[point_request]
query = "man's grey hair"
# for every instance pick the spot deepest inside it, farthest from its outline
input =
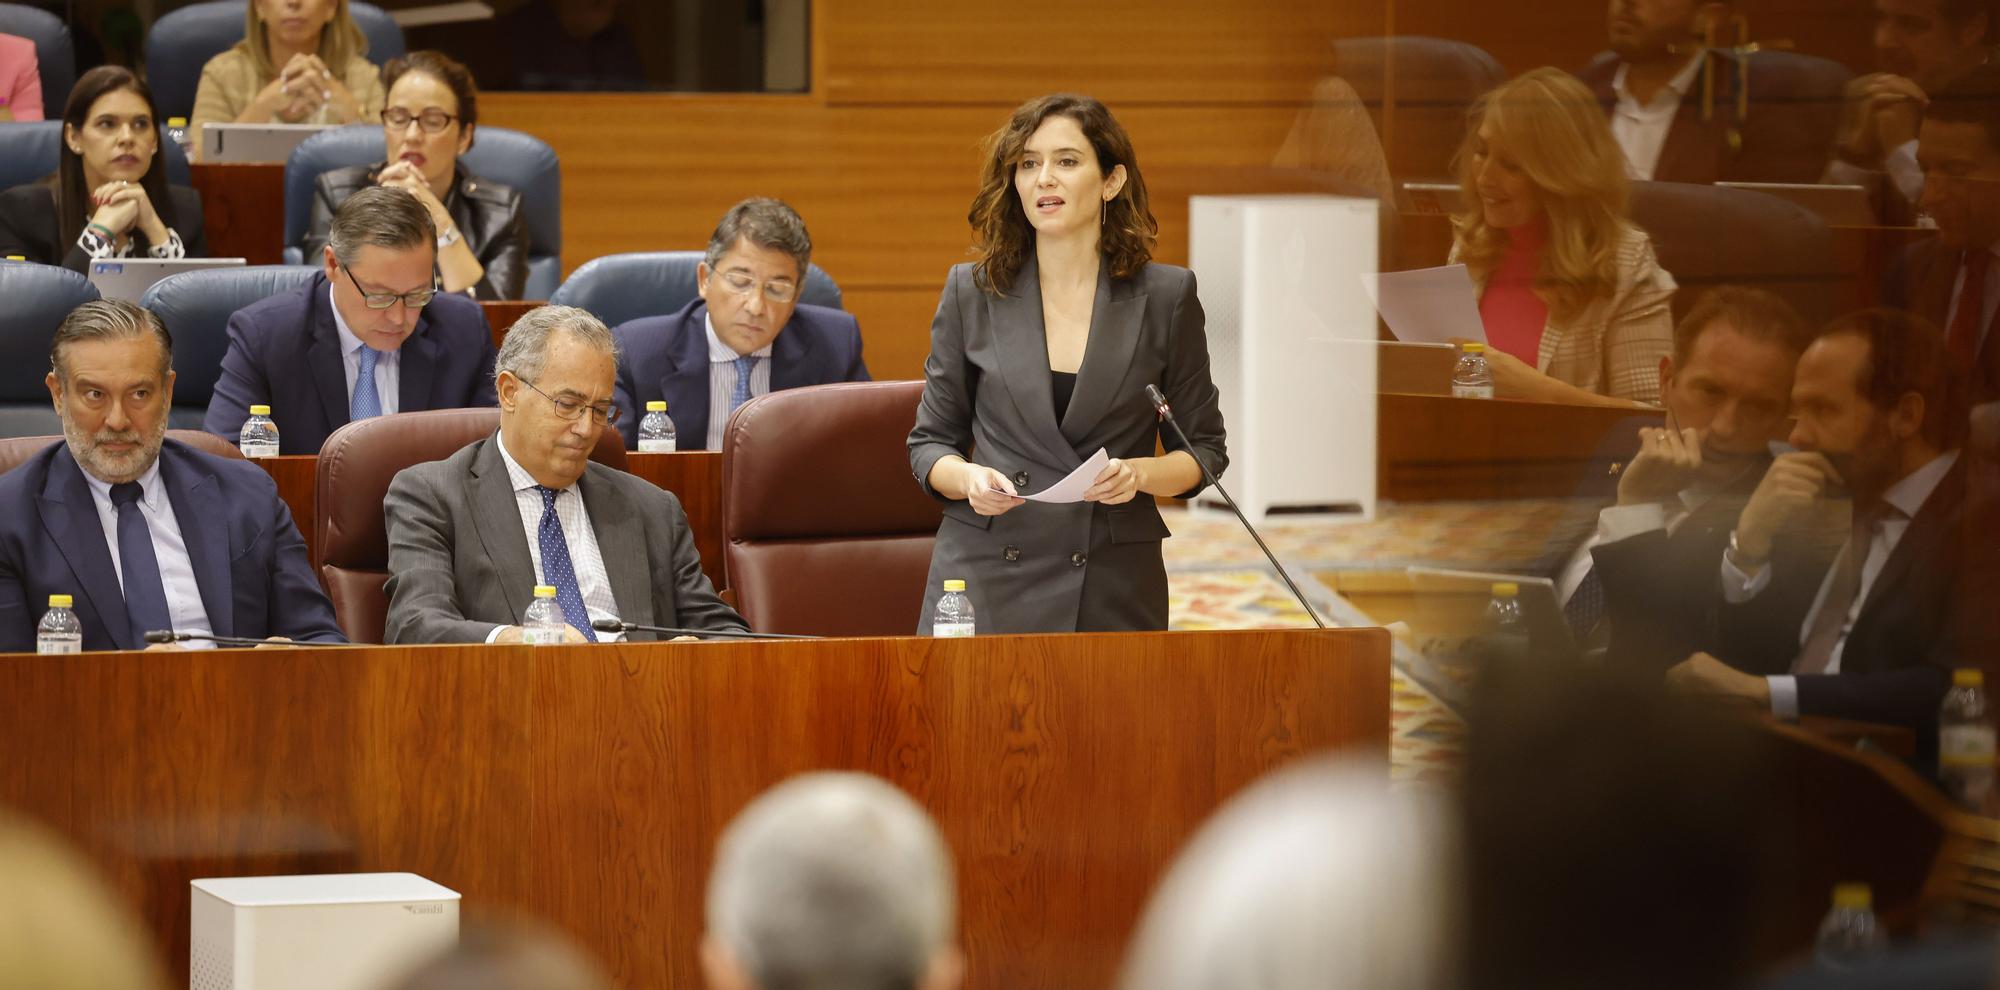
(527, 343)
(382, 216)
(108, 319)
(832, 881)
(767, 223)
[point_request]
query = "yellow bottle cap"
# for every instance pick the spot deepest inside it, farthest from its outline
(545, 591)
(177, 121)
(954, 584)
(60, 601)
(656, 405)
(1474, 348)
(1505, 589)
(1853, 895)
(1968, 677)
(260, 410)
(17, 257)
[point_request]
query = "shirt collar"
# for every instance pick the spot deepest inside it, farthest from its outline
(348, 341)
(1680, 83)
(719, 352)
(1909, 495)
(517, 474)
(150, 488)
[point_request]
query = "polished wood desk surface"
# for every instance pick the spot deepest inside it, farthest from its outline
(1432, 447)
(587, 784)
(695, 476)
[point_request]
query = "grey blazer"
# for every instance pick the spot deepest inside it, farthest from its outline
(459, 563)
(988, 397)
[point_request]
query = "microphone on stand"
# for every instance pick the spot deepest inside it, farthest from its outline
(1159, 402)
(614, 625)
(170, 636)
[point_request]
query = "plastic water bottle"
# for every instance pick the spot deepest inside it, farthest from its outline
(1849, 934)
(1965, 741)
(180, 133)
(544, 624)
(1472, 379)
(953, 617)
(59, 632)
(656, 431)
(259, 437)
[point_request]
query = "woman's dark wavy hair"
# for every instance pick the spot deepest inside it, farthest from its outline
(73, 207)
(1002, 237)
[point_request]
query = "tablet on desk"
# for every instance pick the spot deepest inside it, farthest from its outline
(238, 143)
(129, 278)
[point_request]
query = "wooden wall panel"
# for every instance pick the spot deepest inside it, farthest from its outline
(1182, 52)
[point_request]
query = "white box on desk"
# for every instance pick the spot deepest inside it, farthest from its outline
(1292, 347)
(343, 931)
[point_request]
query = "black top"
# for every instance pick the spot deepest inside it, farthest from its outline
(489, 216)
(1063, 384)
(28, 227)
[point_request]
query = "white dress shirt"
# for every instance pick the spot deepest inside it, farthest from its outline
(388, 365)
(592, 582)
(1619, 522)
(1641, 129)
(1904, 499)
(1988, 302)
(722, 380)
(184, 605)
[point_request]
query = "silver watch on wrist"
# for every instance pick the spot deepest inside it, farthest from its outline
(1742, 560)
(447, 237)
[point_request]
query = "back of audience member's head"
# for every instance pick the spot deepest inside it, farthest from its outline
(831, 881)
(508, 955)
(1615, 836)
(1316, 878)
(61, 927)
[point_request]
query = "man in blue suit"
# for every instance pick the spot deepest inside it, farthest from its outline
(366, 337)
(747, 335)
(143, 532)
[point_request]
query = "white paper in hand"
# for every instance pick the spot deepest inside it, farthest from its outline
(1428, 305)
(1073, 485)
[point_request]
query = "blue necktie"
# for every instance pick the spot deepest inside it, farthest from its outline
(145, 594)
(367, 401)
(556, 568)
(742, 393)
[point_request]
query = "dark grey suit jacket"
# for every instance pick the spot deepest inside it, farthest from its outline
(988, 397)
(459, 562)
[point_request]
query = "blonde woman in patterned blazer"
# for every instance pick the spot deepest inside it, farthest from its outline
(1576, 307)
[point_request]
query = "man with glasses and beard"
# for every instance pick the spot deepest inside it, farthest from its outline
(369, 336)
(747, 335)
(1641, 586)
(473, 535)
(144, 533)
(1844, 587)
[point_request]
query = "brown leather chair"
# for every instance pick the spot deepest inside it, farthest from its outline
(355, 468)
(827, 532)
(16, 450)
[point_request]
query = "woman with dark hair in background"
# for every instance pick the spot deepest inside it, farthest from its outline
(1041, 352)
(429, 121)
(108, 197)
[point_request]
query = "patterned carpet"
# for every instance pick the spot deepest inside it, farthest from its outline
(1218, 579)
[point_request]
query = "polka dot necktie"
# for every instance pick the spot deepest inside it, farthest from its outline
(556, 568)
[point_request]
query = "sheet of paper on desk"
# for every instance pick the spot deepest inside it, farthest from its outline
(1427, 305)
(1073, 485)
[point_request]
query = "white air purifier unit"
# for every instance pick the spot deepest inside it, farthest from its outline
(1291, 343)
(343, 931)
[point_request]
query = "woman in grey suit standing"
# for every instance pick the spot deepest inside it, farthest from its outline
(1041, 352)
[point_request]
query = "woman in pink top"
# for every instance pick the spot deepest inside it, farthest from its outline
(20, 80)
(1575, 306)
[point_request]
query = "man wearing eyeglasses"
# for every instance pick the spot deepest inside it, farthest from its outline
(471, 536)
(1953, 279)
(746, 335)
(369, 336)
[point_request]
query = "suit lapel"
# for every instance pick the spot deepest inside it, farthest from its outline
(416, 366)
(1929, 530)
(1693, 149)
(497, 521)
(1020, 337)
(791, 355)
(69, 516)
(323, 355)
(1115, 315)
(686, 382)
(621, 541)
(193, 491)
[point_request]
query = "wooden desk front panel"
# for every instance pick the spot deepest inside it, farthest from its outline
(588, 784)
(243, 210)
(1432, 447)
